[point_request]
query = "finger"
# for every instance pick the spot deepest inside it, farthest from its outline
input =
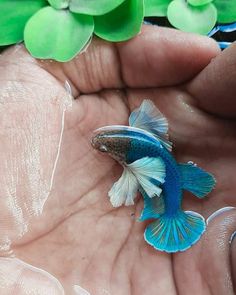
(161, 57)
(156, 57)
(214, 88)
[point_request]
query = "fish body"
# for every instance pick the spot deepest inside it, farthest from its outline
(149, 167)
(141, 147)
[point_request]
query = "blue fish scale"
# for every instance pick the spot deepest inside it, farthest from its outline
(141, 147)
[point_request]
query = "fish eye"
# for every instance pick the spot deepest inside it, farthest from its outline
(103, 149)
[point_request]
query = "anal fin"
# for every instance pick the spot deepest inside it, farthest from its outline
(153, 207)
(196, 180)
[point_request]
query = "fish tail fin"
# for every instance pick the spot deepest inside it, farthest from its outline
(196, 180)
(175, 233)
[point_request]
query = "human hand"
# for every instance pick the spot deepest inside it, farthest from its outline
(78, 237)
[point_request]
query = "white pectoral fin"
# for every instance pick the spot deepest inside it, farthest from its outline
(149, 118)
(124, 190)
(150, 173)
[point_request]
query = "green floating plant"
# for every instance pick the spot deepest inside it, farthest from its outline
(200, 19)
(226, 10)
(60, 29)
(197, 16)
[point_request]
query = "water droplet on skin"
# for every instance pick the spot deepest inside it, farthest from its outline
(187, 106)
(192, 163)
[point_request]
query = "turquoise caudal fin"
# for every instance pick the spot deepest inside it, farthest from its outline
(175, 233)
(196, 180)
(149, 118)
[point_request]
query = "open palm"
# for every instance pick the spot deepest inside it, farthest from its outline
(78, 237)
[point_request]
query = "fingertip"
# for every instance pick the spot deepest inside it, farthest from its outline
(207, 45)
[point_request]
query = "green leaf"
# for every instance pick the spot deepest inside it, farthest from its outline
(13, 16)
(94, 7)
(199, 19)
(156, 7)
(226, 10)
(199, 2)
(59, 4)
(57, 34)
(122, 23)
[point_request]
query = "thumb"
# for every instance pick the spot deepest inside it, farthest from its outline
(214, 88)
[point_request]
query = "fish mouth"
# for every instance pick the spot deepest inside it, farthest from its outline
(94, 142)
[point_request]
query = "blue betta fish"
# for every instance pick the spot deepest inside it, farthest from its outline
(143, 149)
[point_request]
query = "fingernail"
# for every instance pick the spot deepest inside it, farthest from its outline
(218, 212)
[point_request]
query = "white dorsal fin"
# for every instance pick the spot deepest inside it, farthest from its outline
(149, 118)
(147, 173)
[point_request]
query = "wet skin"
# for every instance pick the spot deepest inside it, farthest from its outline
(80, 238)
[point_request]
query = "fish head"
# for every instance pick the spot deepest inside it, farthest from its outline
(112, 141)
